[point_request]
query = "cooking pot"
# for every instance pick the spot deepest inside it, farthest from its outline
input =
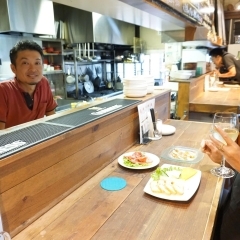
(89, 72)
(109, 84)
(83, 77)
(70, 79)
(49, 49)
(88, 86)
(127, 54)
(118, 58)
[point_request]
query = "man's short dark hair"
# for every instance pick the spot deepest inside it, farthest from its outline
(216, 52)
(24, 45)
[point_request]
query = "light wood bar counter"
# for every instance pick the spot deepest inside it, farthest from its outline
(218, 101)
(35, 179)
(193, 99)
(93, 213)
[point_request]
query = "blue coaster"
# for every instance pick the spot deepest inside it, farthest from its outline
(113, 183)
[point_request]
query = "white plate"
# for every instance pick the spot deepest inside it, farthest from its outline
(168, 129)
(155, 160)
(232, 85)
(190, 187)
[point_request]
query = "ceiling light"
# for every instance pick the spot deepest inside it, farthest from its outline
(237, 6)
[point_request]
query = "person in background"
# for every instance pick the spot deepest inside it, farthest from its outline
(227, 65)
(228, 220)
(28, 96)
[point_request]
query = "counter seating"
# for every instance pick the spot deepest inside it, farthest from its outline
(35, 179)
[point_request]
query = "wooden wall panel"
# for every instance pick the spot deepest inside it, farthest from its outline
(62, 166)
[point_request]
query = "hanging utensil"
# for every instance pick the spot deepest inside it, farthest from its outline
(79, 58)
(89, 73)
(94, 58)
(70, 78)
(84, 56)
(141, 56)
(97, 80)
(88, 49)
(84, 77)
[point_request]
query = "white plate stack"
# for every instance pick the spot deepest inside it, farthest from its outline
(181, 74)
(135, 86)
(150, 83)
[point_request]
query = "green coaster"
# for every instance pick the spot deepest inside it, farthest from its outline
(113, 183)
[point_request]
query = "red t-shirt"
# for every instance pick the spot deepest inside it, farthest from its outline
(13, 106)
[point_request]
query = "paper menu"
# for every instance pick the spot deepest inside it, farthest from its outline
(145, 117)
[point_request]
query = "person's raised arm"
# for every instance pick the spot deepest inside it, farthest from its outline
(231, 151)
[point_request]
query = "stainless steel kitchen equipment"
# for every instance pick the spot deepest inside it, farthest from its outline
(38, 17)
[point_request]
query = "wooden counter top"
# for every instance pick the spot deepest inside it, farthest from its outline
(36, 178)
(93, 213)
(212, 102)
(156, 93)
(191, 98)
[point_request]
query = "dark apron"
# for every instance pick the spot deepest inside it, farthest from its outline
(230, 215)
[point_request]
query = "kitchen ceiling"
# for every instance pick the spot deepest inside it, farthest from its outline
(131, 12)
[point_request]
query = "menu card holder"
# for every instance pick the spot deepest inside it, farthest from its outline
(145, 121)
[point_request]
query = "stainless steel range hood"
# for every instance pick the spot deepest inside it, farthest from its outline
(84, 26)
(27, 16)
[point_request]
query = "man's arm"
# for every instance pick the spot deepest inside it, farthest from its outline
(2, 125)
(50, 113)
(231, 73)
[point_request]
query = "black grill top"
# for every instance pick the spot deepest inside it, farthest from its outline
(24, 138)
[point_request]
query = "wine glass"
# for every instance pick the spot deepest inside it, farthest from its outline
(5, 236)
(228, 122)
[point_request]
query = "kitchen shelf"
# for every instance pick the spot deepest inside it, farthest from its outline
(55, 58)
(52, 54)
(72, 62)
(53, 72)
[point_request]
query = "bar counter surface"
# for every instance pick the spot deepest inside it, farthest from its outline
(91, 212)
(192, 98)
(36, 178)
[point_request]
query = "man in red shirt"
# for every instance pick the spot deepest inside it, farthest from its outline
(28, 96)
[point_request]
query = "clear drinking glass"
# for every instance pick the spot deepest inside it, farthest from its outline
(5, 236)
(228, 122)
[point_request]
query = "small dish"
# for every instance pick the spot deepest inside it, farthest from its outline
(168, 129)
(56, 52)
(155, 161)
(182, 154)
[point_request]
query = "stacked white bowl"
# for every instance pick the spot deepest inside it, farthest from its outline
(150, 83)
(135, 86)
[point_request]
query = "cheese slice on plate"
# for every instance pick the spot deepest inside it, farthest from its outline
(187, 173)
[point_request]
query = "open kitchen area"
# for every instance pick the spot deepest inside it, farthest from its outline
(124, 154)
(89, 54)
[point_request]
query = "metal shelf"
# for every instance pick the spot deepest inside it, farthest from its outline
(52, 72)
